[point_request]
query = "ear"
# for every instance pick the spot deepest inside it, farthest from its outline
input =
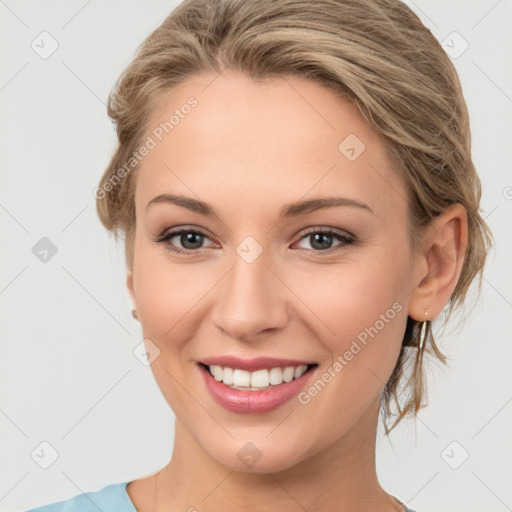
(129, 285)
(443, 249)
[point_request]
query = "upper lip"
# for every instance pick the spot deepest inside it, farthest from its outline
(258, 363)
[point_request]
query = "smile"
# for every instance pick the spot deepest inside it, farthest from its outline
(262, 389)
(258, 380)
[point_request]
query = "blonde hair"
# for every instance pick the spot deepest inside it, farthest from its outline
(374, 53)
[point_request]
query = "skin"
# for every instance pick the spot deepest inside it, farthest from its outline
(248, 148)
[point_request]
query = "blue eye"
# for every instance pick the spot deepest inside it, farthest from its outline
(191, 240)
(324, 237)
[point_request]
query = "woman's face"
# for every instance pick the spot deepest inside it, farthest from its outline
(262, 276)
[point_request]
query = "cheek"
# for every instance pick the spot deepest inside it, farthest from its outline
(169, 301)
(167, 294)
(350, 297)
(362, 308)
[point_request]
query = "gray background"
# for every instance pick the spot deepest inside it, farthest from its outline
(68, 374)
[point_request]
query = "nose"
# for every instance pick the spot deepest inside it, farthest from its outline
(252, 301)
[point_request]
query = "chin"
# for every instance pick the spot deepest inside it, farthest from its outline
(251, 459)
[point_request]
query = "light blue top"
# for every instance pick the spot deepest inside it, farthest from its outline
(112, 498)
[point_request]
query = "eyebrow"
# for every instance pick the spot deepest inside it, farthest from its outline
(288, 210)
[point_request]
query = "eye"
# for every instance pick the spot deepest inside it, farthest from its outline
(321, 240)
(190, 239)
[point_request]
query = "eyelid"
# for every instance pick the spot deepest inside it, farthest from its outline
(324, 229)
(169, 233)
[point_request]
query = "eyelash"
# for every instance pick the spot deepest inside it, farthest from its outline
(167, 235)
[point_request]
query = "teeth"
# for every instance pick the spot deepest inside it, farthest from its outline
(257, 380)
(275, 376)
(217, 372)
(240, 377)
(260, 379)
(288, 373)
(227, 376)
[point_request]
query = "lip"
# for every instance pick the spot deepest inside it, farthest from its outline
(251, 365)
(254, 402)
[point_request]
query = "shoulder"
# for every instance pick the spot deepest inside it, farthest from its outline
(111, 498)
(405, 508)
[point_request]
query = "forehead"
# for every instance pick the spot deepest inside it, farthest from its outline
(275, 139)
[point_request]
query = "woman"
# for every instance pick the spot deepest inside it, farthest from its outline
(298, 202)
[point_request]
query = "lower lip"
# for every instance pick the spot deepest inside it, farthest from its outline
(253, 402)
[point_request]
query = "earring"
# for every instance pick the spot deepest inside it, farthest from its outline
(422, 332)
(134, 313)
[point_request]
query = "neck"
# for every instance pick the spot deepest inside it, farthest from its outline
(341, 477)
